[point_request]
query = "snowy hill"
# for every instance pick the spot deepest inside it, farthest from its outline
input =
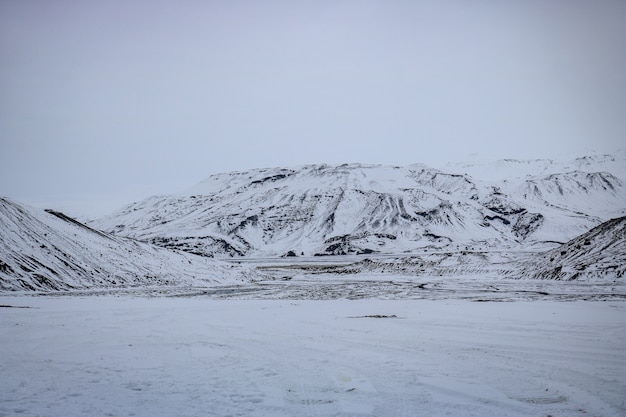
(355, 208)
(599, 253)
(46, 250)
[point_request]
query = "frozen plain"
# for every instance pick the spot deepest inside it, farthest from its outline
(129, 355)
(464, 331)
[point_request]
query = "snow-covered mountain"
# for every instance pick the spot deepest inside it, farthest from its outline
(599, 253)
(46, 250)
(356, 208)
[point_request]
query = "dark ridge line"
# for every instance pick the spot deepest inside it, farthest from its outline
(68, 219)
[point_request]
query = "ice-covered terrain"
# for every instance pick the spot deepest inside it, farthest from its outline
(449, 299)
(48, 251)
(355, 208)
(118, 356)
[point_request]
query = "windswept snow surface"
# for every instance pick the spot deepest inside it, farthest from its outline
(119, 356)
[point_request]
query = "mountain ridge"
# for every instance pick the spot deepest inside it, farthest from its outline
(368, 208)
(563, 224)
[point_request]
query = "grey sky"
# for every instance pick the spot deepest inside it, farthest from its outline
(105, 102)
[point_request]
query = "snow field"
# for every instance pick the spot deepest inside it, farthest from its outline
(134, 356)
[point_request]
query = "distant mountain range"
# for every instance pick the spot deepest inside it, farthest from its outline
(566, 219)
(361, 209)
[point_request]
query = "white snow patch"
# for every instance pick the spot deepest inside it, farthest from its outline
(125, 356)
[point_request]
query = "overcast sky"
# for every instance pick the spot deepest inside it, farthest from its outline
(107, 102)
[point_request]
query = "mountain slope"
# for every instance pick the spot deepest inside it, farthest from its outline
(599, 253)
(46, 250)
(596, 259)
(348, 209)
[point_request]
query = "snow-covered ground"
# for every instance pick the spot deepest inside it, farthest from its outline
(200, 356)
(459, 309)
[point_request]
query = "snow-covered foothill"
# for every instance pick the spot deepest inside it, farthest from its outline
(599, 253)
(48, 251)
